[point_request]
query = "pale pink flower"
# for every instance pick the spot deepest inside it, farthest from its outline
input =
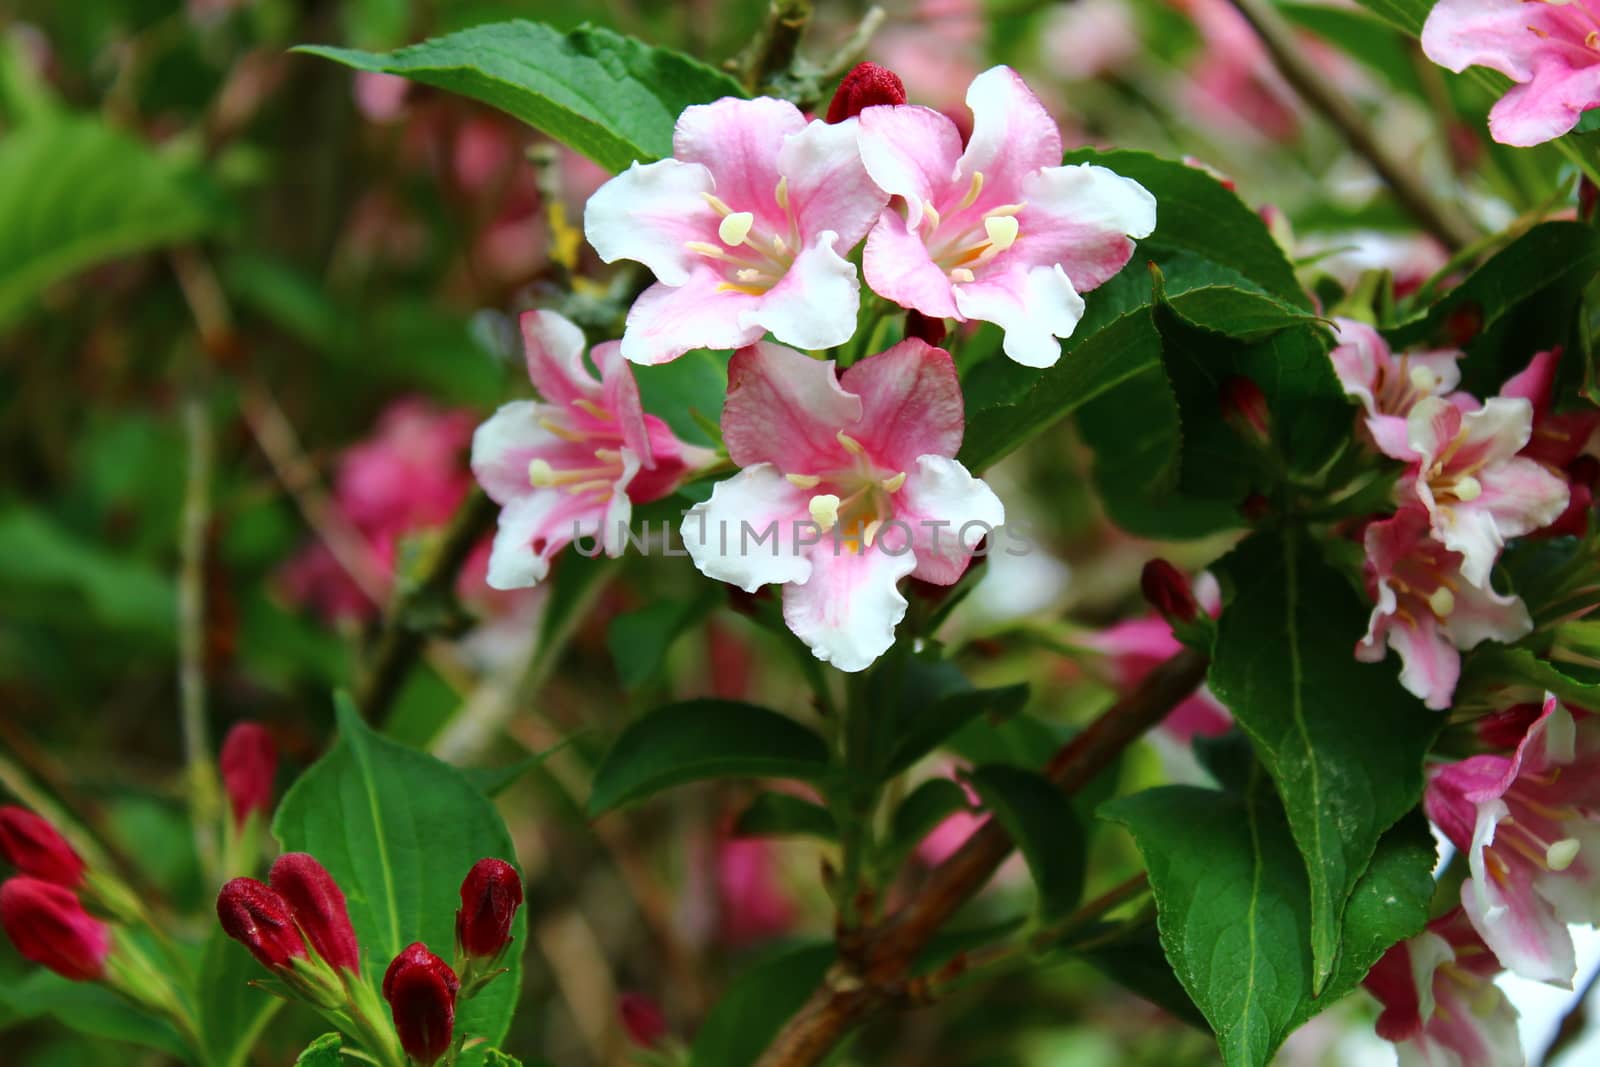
(936, 46)
(995, 230)
(380, 97)
(1089, 38)
(1410, 258)
(573, 463)
(1547, 48)
(752, 902)
(1234, 82)
(1388, 385)
(1425, 610)
(849, 485)
(1465, 473)
(1527, 822)
(745, 229)
(1440, 1004)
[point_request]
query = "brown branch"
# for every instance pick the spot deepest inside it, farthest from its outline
(852, 992)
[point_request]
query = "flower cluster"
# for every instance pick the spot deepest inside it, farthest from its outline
(297, 925)
(848, 481)
(1476, 474)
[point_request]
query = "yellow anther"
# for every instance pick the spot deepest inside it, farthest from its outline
(1442, 601)
(583, 403)
(558, 430)
(608, 455)
(705, 248)
(780, 247)
(1006, 209)
(962, 274)
(540, 474)
(747, 274)
(1424, 379)
(733, 229)
(781, 193)
(849, 444)
(717, 204)
(892, 485)
(825, 510)
(972, 191)
(871, 532)
(1002, 230)
(1468, 488)
(804, 481)
(931, 213)
(1561, 854)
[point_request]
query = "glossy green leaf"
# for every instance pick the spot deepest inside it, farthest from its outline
(1133, 959)
(1407, 15)
(702, 739)
(399, 830)
(785, 815)
(757, 1004)
(640, 640)
(923, 809)
(610, 97)
(232, 1012)
(1343, 742)
(1042, 821)
(75, 192)
(924, 728)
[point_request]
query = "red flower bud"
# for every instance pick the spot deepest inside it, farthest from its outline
(36, 848)
(920, 326)
(317, 904)
(490, 897)
(643, 1019)
(260, 920)
(865, 86)
(1505, 729)
(1167, 590)
(421, 991)
(249, 762)
(1244, 406)
(49, 926)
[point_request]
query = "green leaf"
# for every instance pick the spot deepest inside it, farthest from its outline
(74, 192)
(757, 1005)
(1133, 959)
(640, 640)
(701, 739)
(1233, 911)
(325, 1051)
(89, 1009)
(783, 815)
(610, 97)
(232, 1012)
(36, 552)
(1042, 821)
(925, 728)
(399, 830)
(492, 781)
(928, 805)
(1407, 15)
(495, 1058)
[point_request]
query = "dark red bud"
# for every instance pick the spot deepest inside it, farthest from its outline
(260, 920)
(1167, 590)
(421, 991)
(1588, 198)
(36, 848)
(490, 897)
(1244, 405)
(1463, 324)
(249, 762)
(317, 904)
(48, 925)
(866, 86)
(643, 1019)
(920, 326)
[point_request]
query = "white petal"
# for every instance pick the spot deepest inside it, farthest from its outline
(751, 532)
(815, 304)
(846, 611)
(648, 212)
(1033, 307)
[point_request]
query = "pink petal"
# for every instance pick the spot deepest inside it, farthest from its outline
(815, 303)
(1548, 106)
(1430, 664)
(1482, 33)
(533, 529)
(648, 213)
(739, 141)
(1514, 921)
(829, 188)
(1034, 306)
(1012, 136)
(910, 404)
(751, 532)
(621, 402)
(666, 321)
(1485, 615)
(898, 267)
(785, 408)
(511, 437)
(846, 611)
(911, 152)
(1522, 496)
(949, 513)
(554, 347)
(1082, 217)
(1535, 382)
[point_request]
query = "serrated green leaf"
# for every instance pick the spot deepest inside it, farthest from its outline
(1342, 741)
(784, 815)
(75, 192)
(398, 830)
(612, 98)
(1042, 821)
(701, 739)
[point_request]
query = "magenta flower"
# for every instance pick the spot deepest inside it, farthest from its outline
(1440, 1003)
(1527, 822)
(849, 485)
(1425, 610)
(573, 463)
(1546, 47)
(1466, 474)
(752, 903)
(1387, 385)
(745, 229)
(997, 230)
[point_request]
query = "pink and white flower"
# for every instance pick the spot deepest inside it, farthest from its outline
(848, 485)
(573, 463)
(745, 229)
(1440, 1004)
(1527, 823)
(1548, 47)
(1567, 442)
(1425, 610)
(996, 230)
(1387, 385)
(1466, 474)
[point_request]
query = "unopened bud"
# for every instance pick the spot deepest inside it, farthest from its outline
(48, 925)
(1244, 406)
(249, 763)
(866, 86)
(259, 919)
(1463, 324)
(490, 897)
(421, 991)
(1167, 590)
(920, 326)
(36, 848)
(642, 1019)
(318, 906)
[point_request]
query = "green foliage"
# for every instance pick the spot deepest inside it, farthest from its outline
(703, 739)
(232, 1012)
(783, 815)
(640, 640)
(1042, 821)
(923, 809)
(1407, 15)
(399, 830)
(923, 727)
(756, 1006)
(88, 1009)
(38, 554)
(325, 1051)
(610, 97)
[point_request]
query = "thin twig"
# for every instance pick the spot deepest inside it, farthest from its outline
(774, 50)
(1449, 226)
(849, 995)
(200, 767)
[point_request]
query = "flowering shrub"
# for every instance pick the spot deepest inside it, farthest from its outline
(687, 563)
